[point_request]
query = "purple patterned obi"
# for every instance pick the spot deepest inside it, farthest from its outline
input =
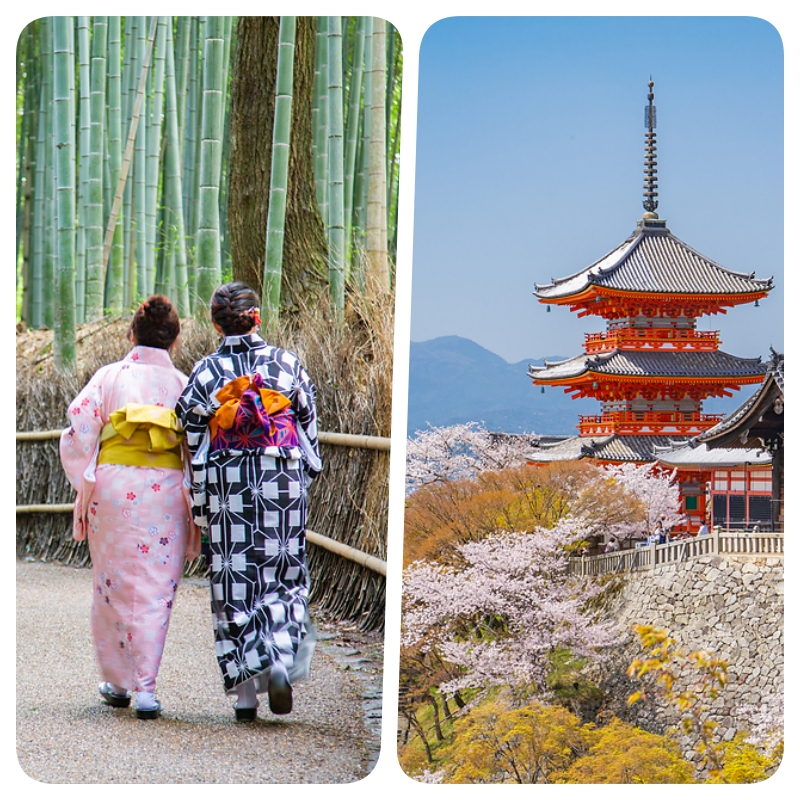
(252, 417)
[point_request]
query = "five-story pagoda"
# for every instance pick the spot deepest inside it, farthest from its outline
(652, 368)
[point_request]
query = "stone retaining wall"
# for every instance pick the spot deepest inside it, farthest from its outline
(731, 607)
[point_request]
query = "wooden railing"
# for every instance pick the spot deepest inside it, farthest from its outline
(342, 439)
(684, 423)
(336, 439)
(652, 339)
(649, 557)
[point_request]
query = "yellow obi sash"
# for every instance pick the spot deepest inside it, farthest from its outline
(142, 436)
(230, 395)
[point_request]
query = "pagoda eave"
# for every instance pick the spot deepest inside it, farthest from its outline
(605, 387)
(614, 303)
(588, 378)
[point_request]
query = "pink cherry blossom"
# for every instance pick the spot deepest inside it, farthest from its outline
(461, 451)
(501, 614)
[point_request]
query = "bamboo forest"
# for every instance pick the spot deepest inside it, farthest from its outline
(167, 154)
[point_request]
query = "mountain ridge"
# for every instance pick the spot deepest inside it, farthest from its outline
(453, 380)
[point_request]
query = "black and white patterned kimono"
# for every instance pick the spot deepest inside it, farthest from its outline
(251, 501)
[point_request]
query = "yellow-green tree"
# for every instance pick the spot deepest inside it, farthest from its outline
(621, 753)
(689, 683)
(499, 742)
(744, 762)
(496, 743)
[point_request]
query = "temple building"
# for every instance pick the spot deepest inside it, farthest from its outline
(741, 459)
(651, 369)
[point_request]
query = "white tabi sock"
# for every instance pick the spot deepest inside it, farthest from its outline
(145, 701)
(246, 695)
(278, 668)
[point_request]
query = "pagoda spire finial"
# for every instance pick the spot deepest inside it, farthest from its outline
(650, 162)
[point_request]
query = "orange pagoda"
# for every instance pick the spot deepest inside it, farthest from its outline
(651, 368)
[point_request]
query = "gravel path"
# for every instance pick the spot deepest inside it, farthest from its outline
(65, 734)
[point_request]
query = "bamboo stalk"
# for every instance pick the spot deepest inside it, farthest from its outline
(353, 120)
(115, 278)
(181, 60)
(93, 204)
(130, 77)
(139, 210)
(176, 235)
(336, 244)
(350, 553)
(83, 153)
(126, 161)
(23, 137)
(32, 117)
(225, 250)
(43, 508)
(321, 131)
(64, 335)
(377, 261)
(37, 255)
(153, 154)
(48, 247)
(361, 178)
(189, 138)
(208, 244)
(279, 170)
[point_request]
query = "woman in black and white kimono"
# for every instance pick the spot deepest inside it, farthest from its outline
(249, 414)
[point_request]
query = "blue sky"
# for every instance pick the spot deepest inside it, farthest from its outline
(529, 166)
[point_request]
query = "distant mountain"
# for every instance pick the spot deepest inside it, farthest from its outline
(453, 380)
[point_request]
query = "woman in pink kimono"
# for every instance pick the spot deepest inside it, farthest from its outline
(123, 453)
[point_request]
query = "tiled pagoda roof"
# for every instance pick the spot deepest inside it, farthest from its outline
(633, 363)
(606, 448)
(754, 409)
(690, 454)
(653, 261)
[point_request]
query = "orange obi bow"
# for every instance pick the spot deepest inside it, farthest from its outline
(230, 396)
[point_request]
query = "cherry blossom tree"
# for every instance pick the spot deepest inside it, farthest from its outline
(657, 492)
(505, 608)
(456, 452)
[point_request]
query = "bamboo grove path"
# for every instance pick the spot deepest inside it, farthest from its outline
(65, 734)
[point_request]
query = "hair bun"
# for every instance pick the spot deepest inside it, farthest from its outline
(156, 323)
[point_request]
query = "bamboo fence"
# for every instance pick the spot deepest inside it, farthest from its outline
(348, 504)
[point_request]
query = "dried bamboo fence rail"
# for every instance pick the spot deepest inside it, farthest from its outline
(327, 543)
(642, 559)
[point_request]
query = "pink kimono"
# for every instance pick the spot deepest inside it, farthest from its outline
(137, 520)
